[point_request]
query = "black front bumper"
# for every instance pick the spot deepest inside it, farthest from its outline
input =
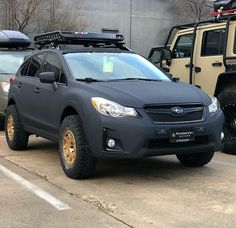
(140, 137)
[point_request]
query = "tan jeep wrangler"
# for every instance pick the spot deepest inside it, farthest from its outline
(204, 54)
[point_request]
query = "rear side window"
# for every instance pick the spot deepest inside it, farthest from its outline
(35, 65)
(52, 64)
(24, 68)
(183, 47)
(213, 42)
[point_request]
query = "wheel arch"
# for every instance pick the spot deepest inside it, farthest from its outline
(68, 111)
(11, 102)
(225, 80)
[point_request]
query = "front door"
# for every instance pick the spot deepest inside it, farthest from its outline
(49, 99)
(181, 51)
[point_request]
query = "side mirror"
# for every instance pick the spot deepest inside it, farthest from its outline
(47, 77)
(155, 55)
(167, 56)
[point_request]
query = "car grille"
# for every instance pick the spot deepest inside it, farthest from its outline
(163, 114)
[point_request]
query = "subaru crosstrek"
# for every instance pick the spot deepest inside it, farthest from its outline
(101, 100)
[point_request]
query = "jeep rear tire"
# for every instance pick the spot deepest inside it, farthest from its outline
(2, 123)
(17, 138)
(195, 160)
(75, 156)
(227, 99)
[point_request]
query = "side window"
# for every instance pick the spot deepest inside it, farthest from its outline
(52, 64)
(183, 47)
(213, 42)
(35, 65)
(24, 68)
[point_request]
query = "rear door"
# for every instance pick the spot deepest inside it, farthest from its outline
(27, 85)
(209, 58)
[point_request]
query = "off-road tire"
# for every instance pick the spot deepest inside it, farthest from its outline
(84, 164)
(20, 137)
(195, 160)
(2, 123)
(227, 99)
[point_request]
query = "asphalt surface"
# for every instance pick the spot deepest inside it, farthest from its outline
(153, 192)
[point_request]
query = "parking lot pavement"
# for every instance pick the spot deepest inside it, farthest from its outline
(153, 192)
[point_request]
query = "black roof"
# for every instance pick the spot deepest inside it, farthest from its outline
(13, 39)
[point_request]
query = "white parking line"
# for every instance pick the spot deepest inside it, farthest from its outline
(224, 164)
(35, 190)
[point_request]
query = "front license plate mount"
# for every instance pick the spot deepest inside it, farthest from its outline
(182, 135)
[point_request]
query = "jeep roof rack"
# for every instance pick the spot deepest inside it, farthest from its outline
(13, 39)
(78, 38)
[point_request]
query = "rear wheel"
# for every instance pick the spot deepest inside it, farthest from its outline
(227, 99)
(76, 159)
(195, 160)
(2, 123)
(17, 138)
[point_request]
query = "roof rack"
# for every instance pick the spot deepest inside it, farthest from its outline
(78, 38)
(13, 39)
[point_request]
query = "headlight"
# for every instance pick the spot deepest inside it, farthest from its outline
(214, 106)
(110, 108)
(5, 86)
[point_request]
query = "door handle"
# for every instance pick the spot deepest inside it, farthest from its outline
(36, 90)
(188, 65)
(19, 85)
(198, 69)
(217, 64)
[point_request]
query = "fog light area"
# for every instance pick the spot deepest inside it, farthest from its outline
(111, 143)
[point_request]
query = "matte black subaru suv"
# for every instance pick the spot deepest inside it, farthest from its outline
(101, 100)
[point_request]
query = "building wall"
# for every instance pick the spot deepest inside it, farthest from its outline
(144, 23)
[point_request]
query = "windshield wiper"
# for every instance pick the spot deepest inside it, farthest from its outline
(140, 79)
(88, 80)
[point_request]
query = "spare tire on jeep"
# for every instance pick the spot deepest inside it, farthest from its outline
(227, 99)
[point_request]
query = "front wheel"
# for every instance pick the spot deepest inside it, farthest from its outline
(75, 156)
(227, 99)
(195, 160)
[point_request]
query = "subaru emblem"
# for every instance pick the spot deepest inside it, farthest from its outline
(177, 110)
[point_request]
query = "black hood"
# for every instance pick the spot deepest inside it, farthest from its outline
(140, 93)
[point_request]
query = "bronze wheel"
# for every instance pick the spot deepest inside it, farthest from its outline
(75, 156)
(69, 147)
(10, 127)
(16, 136)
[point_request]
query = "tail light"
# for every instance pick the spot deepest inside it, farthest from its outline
(12, 79)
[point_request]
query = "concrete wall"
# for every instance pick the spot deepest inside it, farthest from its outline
(144, 23)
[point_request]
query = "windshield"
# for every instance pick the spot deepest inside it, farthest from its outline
(112, 66)
(10, 62)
